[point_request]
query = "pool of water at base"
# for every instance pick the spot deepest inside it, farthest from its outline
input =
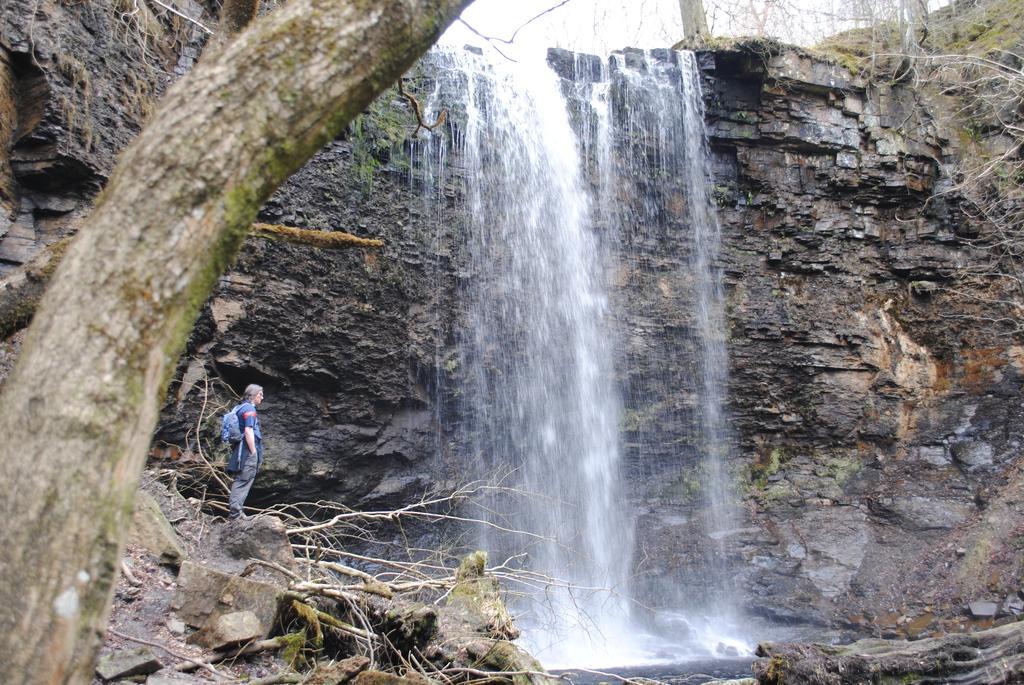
(683, 673)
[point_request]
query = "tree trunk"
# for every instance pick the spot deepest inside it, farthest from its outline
(79, 408)
(695, 23)
(988, 656)
(913, 25)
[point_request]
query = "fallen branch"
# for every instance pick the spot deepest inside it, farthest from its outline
(418, 111)
(187, 661)
(282, 677)
(270, 645)
(334, 240)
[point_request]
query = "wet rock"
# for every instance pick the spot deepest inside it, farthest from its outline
(128, 663)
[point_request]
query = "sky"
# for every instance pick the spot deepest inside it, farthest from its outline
(591, 26)
(600, 26)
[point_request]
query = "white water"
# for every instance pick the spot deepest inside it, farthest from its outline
(536, 347)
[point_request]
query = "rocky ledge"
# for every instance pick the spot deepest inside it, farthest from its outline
(250, 599)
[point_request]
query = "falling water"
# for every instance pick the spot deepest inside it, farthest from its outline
(539, 395)
(536, 365)
(661, 160)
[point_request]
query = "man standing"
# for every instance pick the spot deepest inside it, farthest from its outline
(249, 455)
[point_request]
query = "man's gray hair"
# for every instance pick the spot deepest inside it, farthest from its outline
(251, 391)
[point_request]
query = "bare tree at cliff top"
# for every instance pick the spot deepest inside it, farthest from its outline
(80, 406)
(695, 24)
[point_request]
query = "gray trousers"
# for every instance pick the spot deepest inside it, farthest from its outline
(243, 480)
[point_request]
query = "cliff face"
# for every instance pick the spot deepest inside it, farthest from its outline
(874, 398)
(873, 401)
(873, 407)
(77, 80)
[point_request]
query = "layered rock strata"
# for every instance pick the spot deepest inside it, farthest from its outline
(874, 397)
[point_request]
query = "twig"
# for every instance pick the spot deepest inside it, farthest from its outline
(251, 648)
(418, 111)
(184, 16)
(271, 565)
(126, 571)
(512, 38)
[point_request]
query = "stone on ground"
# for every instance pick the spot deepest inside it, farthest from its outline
(128, 663)
(204, 594)
(230, 630)
(261, 537)
(983, 609)
(152, 530)
(337, 673)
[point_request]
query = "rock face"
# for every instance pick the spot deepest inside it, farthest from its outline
(869, 407)
(77, 81)
(876, 415)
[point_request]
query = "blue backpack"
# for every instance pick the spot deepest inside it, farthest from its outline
(230, 431)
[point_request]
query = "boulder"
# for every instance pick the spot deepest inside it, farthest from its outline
(476, 594)
(502, 655)
(928, 513)
(204, 594)
(230, 630)
(410, 627)
(261, 537)
(128, 663)
(973, 454)
(152, 530)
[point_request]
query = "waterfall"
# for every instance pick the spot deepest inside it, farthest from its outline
(539, 341)
(661, 161)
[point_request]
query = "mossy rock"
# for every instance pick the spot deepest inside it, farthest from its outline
(504, 656)
(410, 627)
(477, 594)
